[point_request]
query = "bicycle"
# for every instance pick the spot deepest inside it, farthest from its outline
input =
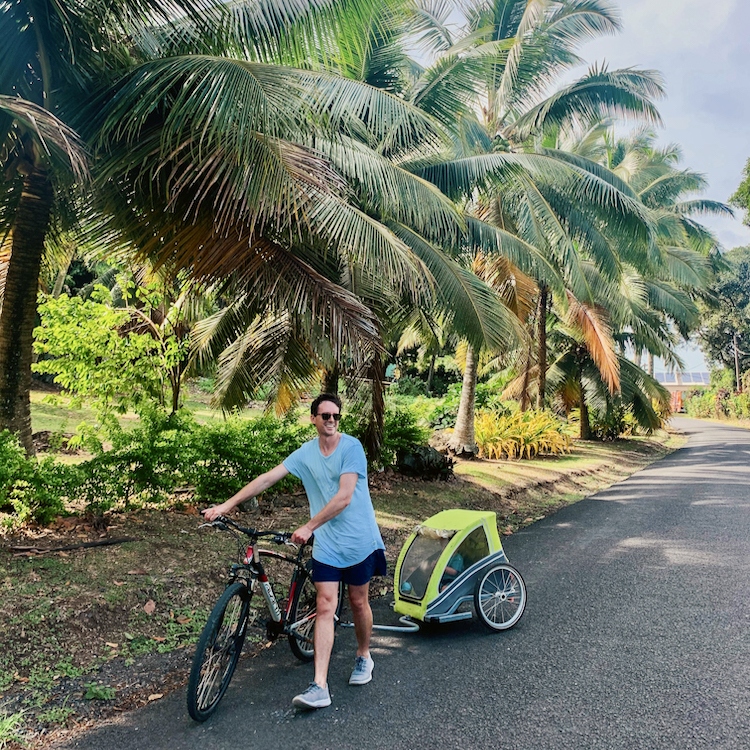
(220, 644)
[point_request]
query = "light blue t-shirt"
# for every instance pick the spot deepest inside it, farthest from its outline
(353, 534)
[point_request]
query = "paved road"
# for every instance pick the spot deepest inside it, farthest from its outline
(637, 635)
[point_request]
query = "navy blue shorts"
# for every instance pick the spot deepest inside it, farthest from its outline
(355, 575)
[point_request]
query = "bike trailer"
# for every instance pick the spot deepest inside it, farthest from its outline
(455, 557)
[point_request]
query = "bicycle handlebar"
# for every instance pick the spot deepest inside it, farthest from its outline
(277, 537)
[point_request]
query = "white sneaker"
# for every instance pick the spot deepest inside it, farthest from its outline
(314, 697)
(362, 673)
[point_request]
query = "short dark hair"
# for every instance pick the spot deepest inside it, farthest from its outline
(332, 397)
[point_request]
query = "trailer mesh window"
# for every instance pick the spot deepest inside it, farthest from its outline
(418, 565)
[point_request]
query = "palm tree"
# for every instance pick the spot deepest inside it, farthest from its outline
(43, 157)
(499, 170)
(684, 253)
(52, 55)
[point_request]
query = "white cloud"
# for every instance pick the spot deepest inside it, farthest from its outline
(668, 26)
(702, 52)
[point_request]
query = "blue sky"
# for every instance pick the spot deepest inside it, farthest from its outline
(703, 54)
(702, 51)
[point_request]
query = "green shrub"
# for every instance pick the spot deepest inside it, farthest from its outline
(700, 404)
(145, 463)
(14, 464)
(718, 403)
(739, 406)
(166, 452)
(446, 372)
(425, 462)
(408, 385)
(486, 398)
(31, 489)
(618, 421)
(401, 432)
(234, 452)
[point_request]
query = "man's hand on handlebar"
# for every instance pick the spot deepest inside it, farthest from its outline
(212, 513)
(302, 534)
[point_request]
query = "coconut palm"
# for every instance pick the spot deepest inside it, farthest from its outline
(508, 54)
(43, 158)
(685, 252)
(349, 237)
(52, 54)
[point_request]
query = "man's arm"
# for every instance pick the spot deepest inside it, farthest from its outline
(256, 487)
(332, 508)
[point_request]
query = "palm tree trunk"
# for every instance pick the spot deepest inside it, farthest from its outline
(650, 364)
(462, 442)
(331, 381)
(18, 313)
(542, 344)
(175, 382)
(431, 374)
(585, 433)
(372, 440)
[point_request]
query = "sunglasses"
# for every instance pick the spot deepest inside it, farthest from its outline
(325, 416)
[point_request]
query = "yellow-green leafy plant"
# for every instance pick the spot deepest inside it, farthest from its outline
(520, 435)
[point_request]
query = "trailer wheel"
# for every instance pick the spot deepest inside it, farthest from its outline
(500, 597)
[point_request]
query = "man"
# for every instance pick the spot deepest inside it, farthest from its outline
(347, 548)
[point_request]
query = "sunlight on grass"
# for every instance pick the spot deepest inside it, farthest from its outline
(51, 412)
(393, 521)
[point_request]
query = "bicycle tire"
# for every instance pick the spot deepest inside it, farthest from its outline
(304, 605)
(500, 597)
(218, 651)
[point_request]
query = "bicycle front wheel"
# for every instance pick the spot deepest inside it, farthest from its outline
(218, 651)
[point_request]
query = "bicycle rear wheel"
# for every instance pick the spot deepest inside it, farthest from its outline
(218, 651)
(302, 615)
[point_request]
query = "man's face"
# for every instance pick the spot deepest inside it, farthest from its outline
(329, 425)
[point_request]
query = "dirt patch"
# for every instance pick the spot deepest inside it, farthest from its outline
(90, 631)
(46, 441)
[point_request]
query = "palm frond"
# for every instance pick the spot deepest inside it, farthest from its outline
(430, 25)
(60, 146)
(393, 191)
(486, 238)
(598, 338)
(600, 93)
(703, 207)
(476, 311)
(687, 267)
(640, 391)
(673, 302)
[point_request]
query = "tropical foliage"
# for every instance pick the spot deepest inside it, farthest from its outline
(316, 185)
(521, 435)
(741, 197)
(724, 333)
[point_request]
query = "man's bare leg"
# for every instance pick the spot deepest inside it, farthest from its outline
(328, 595)
(359, 598)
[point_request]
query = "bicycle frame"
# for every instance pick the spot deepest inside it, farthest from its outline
(253, 564)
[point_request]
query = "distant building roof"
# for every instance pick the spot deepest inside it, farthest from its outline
(683, 378)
